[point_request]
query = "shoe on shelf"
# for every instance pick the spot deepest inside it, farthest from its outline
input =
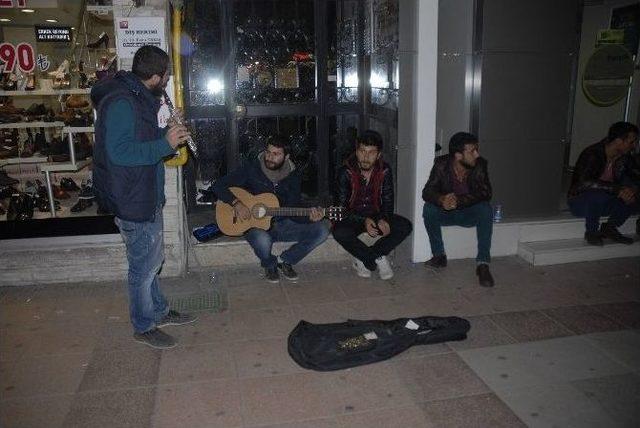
(155, 338)
(6, 180)
(31, 82)
(439, 261)
(69, 185)
(484, 275)
(61, 71)
(86, 190)
(81, 205)
(288, 271)
(59, 193)
(611, 232)
(384, 268)
(271, 274)
(176, 318)
(103, 38)
(361, 269)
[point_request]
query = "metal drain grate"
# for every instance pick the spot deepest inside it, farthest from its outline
(211, 302)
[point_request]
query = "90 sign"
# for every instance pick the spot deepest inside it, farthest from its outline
(21, 55)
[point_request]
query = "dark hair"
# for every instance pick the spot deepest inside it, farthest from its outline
(149, 61)
(459, 140)
(279, 141)
(621, 130)
(370, 138)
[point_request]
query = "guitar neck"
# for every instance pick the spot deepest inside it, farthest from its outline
(289, 212)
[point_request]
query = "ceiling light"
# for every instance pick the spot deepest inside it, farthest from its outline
(215, 86)
(27, 10)
(5, 20)
(51, 20)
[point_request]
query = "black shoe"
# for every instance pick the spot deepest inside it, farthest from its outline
(176, 318)
(593, 238)
(5, 180)
(611, 232)
(69, 185)
(272, 274)
(81, 205)
(155, 338)
(287, 271)
(484, 276)
(437, 261)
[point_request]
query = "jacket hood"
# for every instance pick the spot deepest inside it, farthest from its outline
(121, 80)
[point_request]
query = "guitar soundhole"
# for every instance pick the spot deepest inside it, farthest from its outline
(259, 211)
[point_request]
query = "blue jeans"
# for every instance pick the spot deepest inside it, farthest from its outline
(479, 215)
(593, 204)
(145, 254)
(306, 236)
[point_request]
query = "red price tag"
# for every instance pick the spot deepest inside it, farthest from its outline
(22, 54)
(9, 3)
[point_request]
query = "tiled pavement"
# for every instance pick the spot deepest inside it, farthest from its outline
(551, 346)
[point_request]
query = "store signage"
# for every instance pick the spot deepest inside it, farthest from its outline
(53, 34)
(13, 3)
(607, 75)
(21, 55)
(134, 32)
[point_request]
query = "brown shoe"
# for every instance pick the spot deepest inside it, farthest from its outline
(484, 276)
(59, 193)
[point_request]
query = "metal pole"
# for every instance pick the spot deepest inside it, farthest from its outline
(52, 203)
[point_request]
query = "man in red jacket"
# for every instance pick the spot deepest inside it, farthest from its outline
(365, 189)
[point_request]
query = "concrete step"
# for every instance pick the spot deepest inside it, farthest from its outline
(563, 228)
(561, 251)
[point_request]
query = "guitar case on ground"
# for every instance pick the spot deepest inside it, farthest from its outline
(326, 347)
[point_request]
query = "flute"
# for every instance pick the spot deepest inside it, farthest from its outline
(190, 143)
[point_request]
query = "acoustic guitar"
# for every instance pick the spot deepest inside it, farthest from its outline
(263, 207)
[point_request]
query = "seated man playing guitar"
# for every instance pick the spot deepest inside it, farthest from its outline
(273, 172)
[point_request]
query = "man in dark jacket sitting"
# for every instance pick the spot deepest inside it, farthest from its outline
(603, 184)
(458, 193)
(365, 189)
(274, 172)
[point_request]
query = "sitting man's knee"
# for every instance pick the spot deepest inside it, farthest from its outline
(430, 211)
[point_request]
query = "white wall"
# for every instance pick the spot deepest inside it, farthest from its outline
(590, 122)
(425, 119)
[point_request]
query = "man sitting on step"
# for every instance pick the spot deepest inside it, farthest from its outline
(273, 172)
(603, 184)
(365, 189)
(458, 193)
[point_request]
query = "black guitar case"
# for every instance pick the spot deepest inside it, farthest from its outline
(326, 347)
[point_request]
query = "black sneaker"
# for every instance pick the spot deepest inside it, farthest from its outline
(155, 338)
(272, 274)
(484, 276)
(287, 271)
(611, 232)
(176, 318)
(437, 261)
(593, 238)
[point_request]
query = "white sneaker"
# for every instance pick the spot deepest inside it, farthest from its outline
(384, 268)
(361, 269)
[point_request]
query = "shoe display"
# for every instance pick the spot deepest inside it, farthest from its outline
(176, 318)
(81, 205)
(86, 191)
(361, 269)
(611, 232)
(20, 207)
(7, 191)
(384, 268)
(31, 82)
(76, 101)
(271, 274)
(155, 338)
(288, 271)
(484, 275)
(437, 261)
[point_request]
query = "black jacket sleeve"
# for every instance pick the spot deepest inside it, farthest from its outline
(387, 197)
(237, 178)
(586, 175)
(432, 190)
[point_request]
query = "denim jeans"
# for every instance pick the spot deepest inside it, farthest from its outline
(593, 204)
(306, 236)
(479, 215)
(346, 233)
(145, 253)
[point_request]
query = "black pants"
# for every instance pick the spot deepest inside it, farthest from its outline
(346, 233)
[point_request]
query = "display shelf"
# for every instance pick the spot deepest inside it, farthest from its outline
(30, 159)
(25, 125)
(73, 129)
(65, 167)
(42, 92)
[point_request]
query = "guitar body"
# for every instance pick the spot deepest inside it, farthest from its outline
(231, 225)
